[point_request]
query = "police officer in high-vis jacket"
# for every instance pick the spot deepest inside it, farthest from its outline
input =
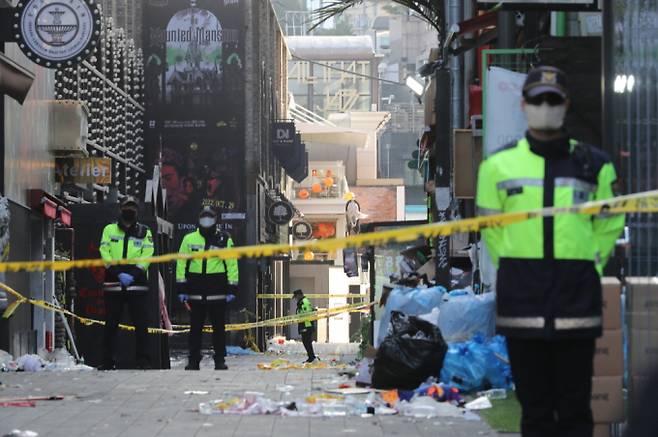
(126, 284)
(305, 328)
(549, 268)
(207, 285)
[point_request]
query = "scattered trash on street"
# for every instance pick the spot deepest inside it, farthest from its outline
(57, 361)
(283, 364)
(281, 346)
(481, 403)
(19, 433)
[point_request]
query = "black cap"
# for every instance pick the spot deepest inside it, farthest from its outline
(297, 292)
(129, 201)
(546, 79)
(208, 211)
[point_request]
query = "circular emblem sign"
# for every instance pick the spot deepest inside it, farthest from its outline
(280, 212)
(53, 33)
(302, 230)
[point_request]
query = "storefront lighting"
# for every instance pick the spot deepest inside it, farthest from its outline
(630, 83)
(624, 83)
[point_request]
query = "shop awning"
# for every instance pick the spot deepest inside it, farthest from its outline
(15, 81)
(326, 134)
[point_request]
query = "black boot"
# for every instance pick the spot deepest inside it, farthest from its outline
(220, 365)
(192, 365)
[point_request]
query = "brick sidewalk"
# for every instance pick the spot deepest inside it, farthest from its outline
(152, 403)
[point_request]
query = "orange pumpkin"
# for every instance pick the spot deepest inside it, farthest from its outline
(316, 188)
(303, 194)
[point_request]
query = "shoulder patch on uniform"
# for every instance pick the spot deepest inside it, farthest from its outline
(504, 147)
(593, 156)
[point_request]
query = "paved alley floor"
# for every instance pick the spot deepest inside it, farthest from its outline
(152, 403)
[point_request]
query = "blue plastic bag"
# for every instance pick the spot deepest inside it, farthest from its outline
(462, 369)
(237, 350)
(464, 313)
(477, 364)
(411, 302)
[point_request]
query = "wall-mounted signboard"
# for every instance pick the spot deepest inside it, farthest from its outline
(84, 170)
(57, 33)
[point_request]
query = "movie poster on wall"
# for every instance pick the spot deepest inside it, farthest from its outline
(193, 55)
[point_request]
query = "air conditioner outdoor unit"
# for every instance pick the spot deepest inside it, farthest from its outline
(64, 127)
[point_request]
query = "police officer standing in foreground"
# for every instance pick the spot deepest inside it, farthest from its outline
(305, 328)
(207, 285)
(126, 284)
(549, 286)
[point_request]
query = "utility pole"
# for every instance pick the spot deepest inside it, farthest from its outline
(443, 157)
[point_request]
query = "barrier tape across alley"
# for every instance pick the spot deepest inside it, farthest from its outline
(311, 296)
(646, 202)
(278, 321)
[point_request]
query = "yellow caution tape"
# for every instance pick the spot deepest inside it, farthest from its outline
(312, 296)
(279, 321)
(646, 202)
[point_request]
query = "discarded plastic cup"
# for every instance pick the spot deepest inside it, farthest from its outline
(334, 410)
(496, 393)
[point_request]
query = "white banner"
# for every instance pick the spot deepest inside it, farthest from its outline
(504, 120)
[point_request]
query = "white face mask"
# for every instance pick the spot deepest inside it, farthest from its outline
(207, 222)
(545, 116)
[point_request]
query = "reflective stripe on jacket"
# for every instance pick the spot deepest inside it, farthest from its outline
(117, 244)
(548, 267)
(206, 276)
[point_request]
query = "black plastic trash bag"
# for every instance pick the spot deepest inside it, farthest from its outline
(412, 352)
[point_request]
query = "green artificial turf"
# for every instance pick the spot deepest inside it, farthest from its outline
(505, 416)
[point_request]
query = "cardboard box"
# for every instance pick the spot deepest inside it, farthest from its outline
(466, 158)
(642, 295)
(609, 355)
(643, 351)
(602, 430)
(611, 303)
(607, 400)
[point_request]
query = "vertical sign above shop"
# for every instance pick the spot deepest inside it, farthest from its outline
(193, 56)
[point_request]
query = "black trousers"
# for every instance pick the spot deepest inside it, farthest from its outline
(217, 312)
(307, 340)
(137, 307)
(554, 384)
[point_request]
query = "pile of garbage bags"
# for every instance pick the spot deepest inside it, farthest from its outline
(462, 313)
(430, 332)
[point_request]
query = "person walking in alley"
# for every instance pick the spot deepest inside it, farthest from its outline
(207, 285)
(126, 284)
(305, 328)
(548, 286)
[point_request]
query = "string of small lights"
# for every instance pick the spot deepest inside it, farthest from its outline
(111, 85)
